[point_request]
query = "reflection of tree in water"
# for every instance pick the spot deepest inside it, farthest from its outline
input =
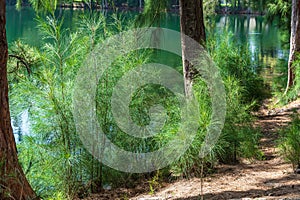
(261, 36)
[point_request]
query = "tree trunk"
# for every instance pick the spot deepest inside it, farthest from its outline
(192, 25)
(13, 183)
(294, 42)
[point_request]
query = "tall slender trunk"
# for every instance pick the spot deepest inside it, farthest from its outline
(13, 183)
(294, 42)
(192, 25)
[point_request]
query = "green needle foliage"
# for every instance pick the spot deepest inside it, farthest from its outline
(234, 60)
(152, 13)
(40, 5)
(245, 89)
(239, 139)
(289, 143)
(279, 82)
(48, 93)
(55, 161)
(281, 8)
(293, 94)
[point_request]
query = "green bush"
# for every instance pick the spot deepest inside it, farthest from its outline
(289, 142)
(54, 159)
(56, 162)
(280, 81)
(239, 139)
(245, 90)
(234, 60)
(293, 93)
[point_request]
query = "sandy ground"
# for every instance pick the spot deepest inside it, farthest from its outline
(271, 178)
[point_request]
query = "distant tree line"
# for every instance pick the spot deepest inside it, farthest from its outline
(103, 3)
(222, 6)
(243, 6)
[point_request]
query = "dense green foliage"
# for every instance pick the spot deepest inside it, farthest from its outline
(289, 142)
(239, 138)
(280, 81)
(234, 61)
(281, 8)
(42, 83)
(55, 161)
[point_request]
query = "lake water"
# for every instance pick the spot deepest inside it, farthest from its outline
(262, 37)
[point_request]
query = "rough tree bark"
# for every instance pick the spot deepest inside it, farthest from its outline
(192, 25)
(294, 42)
(13, 183)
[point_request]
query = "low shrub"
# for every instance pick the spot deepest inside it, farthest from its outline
(289, 142)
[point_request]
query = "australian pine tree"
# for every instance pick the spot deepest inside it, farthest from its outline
(192, 25)
(294, 42)
(13, 183)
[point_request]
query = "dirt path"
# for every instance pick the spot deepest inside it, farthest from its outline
(271, 178)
